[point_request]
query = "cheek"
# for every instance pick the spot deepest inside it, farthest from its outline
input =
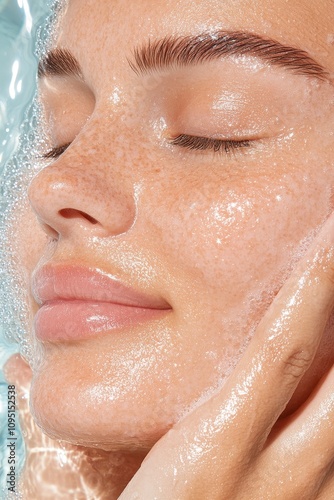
(238, 236)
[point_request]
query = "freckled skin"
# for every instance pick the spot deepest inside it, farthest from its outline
(215, 236)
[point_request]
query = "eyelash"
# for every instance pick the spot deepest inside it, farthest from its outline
(55, 152)
(192, 142)
(196, 143)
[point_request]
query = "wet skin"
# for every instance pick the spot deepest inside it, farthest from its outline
(214, 234)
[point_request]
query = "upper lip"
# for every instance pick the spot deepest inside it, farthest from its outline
(74, 282)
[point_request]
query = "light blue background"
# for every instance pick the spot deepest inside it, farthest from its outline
(19, 22)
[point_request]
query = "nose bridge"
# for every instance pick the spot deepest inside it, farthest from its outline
(86, 188)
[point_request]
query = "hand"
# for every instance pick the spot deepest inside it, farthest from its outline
(233, 446)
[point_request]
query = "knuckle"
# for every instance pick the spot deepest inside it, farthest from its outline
(297, 362)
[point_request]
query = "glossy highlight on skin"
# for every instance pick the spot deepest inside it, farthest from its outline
(212, 234)
(171, 225)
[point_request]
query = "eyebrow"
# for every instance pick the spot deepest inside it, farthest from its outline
(59, 62)
(190, 50)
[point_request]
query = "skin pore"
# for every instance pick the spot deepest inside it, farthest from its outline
(214, 234)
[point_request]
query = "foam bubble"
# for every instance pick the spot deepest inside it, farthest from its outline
(17, 172)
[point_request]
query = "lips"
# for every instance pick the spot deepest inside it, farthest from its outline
(78, 302)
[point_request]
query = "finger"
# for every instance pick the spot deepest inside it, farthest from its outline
(215, 445)
(288, 337)
(326, 491)
(283, 347)
(303, 450)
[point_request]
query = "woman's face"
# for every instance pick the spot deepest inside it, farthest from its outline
(204, 229)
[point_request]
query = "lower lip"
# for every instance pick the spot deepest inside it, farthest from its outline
(75, 320)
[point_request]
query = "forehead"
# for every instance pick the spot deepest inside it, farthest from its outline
(128, 21)
(102, 34)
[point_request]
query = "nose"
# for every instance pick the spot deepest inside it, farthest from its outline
(73, 195)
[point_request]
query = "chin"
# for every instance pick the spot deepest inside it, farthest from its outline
(130, 424)
(120, 391)
(75, 399)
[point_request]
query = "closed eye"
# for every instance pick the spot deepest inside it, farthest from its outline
(196, 143)
(55, 152)
(191, 142)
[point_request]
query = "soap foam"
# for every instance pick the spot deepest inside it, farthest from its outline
(18, 170)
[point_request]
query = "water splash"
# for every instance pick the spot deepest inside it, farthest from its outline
(25, 26)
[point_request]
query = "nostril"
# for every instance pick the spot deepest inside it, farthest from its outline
(71, 213)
